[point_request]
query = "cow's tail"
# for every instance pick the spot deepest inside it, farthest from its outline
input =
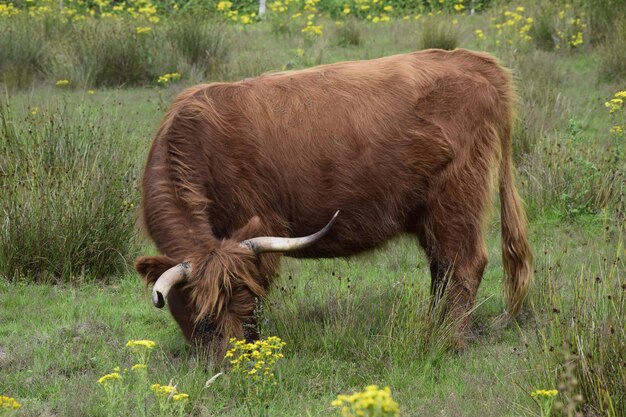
(516, 251)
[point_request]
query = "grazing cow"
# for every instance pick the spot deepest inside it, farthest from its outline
(409, 143)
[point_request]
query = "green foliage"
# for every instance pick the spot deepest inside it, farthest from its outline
(69, 189)
(438, 33)
(604, 17)
(613, 53)
(349, 33)
(115, 54)
(24, 54)
(581, 345)
(203, 44)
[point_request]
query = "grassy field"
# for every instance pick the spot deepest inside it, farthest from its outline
(71, 154)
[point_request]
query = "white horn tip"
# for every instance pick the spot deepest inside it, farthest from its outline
(157, 299)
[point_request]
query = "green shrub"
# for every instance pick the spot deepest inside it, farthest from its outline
(613, 54)
(203, 44)
(582, 341)
(603, 17)
(69, 191)
(438, 33)
(23, 51)
(113, 53)
(349, 33)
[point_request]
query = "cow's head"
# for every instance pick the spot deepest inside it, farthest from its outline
(212, 294)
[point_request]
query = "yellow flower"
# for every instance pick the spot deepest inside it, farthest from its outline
(8, 403)
(142, 344)
(62, 83)
(459, 7)
(163, 391)
(224, 5)
(181, 397)
(614, 105)
(143, 29)
(388, 8)
(299, 52)
(576, 39)
(313, 30)
(166, 78)
(371, 401)
(255, 360)
(91, 91)
(34, 111)
(544, 393)
(113, 376)
(139, 366)
(479, 34)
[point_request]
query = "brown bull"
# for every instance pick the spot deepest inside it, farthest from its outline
(404, 144)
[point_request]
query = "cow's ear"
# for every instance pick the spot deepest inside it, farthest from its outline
(250, 230)
(151, 267)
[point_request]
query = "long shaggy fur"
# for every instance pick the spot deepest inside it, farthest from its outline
(405, 144)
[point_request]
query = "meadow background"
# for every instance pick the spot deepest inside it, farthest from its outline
(84, 85)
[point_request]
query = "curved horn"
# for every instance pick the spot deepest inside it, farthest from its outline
(167, 280)
(286, 244)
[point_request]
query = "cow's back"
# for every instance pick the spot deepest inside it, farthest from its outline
(364, 137)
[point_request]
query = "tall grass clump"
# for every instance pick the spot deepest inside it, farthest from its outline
(613, 54)
(203, 43)
(349, 33)
(603, 17)
(119, 53)
(23, 51)
(582, 342)
(68, 196)
(438, 33)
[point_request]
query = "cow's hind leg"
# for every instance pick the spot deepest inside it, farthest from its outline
(450, 231)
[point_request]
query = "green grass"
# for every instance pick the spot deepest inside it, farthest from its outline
(337, 318)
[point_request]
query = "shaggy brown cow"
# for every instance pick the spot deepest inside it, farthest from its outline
(404, 144)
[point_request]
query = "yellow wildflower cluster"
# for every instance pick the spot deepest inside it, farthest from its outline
(8, 10)
(368, 403)
(143, 29)
(616, 103)
(514, 25)
(615, 106)
(544, 393)
(479, 34)
(231, 14)
(141, 348)
(376, 11)
(8, 403)
(169, 392)
(139, 367)
(108, 378)
(569, 28)
(62, 83)
(255, 360)
(83, 9)
(311, 28)
(166, 78)
(136, 345)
